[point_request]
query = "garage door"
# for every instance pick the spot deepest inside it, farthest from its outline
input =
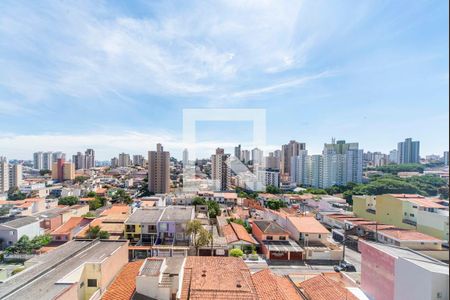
(275, 255)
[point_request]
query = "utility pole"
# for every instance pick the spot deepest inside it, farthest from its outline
(344, 243)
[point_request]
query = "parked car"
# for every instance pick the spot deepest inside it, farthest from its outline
(345, 267)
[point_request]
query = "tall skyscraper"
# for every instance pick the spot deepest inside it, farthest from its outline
(408, 152)
(79, 160)
(89, 156)
(220, 172)
(159, 170)
(4, 175)
(287, 152)
(47, 160)
(237, 152)
(38, 163)
(446, 158)
(124, 160)
(15, 175)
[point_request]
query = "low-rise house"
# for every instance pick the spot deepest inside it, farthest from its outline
(74, 270)
(141, 225)
(237, 237)
(14, 228)
(394, 273)
(70, 229)
(270, 286)
(314, 238)
(110, 220)
(124, 285)
(322, 287)
(220, 278)
(409, 239)
(275, 242)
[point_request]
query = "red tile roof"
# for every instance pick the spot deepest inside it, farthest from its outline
(124, 284)
(71, 224)
(273, 287)
(235, 232)
(308, 225)
(407, 235)
(323, 288)
(217, 278)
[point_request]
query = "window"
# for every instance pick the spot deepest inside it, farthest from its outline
(269, 237)
(414, 206)
(282, 238)
(151, 228)
(320, 236)
(92, 282)
(163, 226)
(81, 284)
(411, 215)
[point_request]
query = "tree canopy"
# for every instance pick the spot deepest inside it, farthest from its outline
(200, 236)
(236, 252)
(25, 245)
(95, 232)
(121, 196)
(69, 200)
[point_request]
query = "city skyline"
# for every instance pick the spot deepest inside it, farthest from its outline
(111, 77)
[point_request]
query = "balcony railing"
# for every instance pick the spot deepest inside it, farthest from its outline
(371, 211)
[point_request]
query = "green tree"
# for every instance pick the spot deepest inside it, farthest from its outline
(15, 194)
(120, 196)
(236, 253)
(200, 236)
(443, 192)
(213, 209)
(26, 246)
(69, 200)
(275, 204)
(80, 179)
(89, 215)
(272, 189)
(91, 194)
(95, 232)
(198, 201)
(97, 203)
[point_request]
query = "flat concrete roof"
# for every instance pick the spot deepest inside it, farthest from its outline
(39, 280)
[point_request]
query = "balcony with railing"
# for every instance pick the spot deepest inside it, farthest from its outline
(371, 211)
(410, 222)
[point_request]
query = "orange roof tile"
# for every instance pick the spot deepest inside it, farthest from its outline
(71, 224)
(308, 225)
(235, 232)
(124, 284)
(323, 288)
(217, 278)
(272, 287)
(116, 209)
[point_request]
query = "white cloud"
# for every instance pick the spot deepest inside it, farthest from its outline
(88, 51)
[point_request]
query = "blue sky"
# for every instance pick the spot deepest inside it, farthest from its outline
(117, 75)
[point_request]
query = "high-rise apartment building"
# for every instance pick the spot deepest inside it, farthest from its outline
(79, 160)
(287, 152)
(245, 156)
(38, 163)
(57, 155)
(15, 175)
(269, 177)
(393, 156)
(408, 152)
(114, 162)
(62, 170)
(272, 162)
(342, 163)
(47, 160)
(257, 157)
(185, 158)
(237, 152)
(446, 158)
(124, 160)
(4, 175)
(89, 156)
(138, 160)
(159, 170)
(220, 172)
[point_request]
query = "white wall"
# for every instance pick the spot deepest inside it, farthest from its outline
(413, 282)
